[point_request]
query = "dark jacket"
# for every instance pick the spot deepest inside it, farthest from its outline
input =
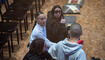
(42, 56)
(56, 31)
(29, 56)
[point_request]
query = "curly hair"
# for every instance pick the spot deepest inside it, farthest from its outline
(36, 46)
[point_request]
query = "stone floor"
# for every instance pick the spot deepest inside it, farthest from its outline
(92, 19)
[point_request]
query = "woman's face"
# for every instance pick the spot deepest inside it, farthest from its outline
(42, 19)
(57, 12)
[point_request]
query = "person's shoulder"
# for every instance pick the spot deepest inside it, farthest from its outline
(59, 44)
(36, 34)
(82, 51)
(62, 41)
(37, 30)
(27, 56)
(49, 12)
(49, 15)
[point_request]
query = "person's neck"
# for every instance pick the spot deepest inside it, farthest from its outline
(73, 40)
(41, 25)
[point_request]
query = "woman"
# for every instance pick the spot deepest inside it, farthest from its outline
(56, 30)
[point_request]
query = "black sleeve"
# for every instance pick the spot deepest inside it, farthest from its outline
(26, 57)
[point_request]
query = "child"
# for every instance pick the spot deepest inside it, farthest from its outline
(37, 50)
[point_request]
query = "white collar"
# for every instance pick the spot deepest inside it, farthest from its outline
(39, 27)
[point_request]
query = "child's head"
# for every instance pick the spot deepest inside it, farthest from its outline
(75, 30)
(37, 46)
